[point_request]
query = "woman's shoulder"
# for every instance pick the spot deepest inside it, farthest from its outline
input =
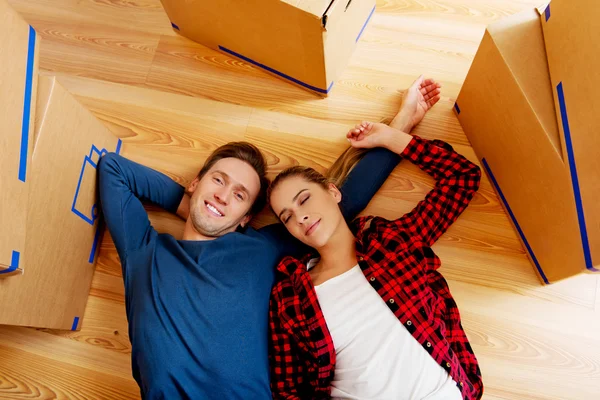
(367, 223)
(288, 265)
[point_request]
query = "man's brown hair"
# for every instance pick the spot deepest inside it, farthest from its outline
(251, 155)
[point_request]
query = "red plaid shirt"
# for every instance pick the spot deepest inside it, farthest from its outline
(397, 260)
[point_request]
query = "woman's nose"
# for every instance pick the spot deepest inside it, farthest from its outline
(303, 219)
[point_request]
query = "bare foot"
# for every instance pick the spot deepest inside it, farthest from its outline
(416, 101)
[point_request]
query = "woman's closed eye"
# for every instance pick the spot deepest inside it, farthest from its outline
(287, 217)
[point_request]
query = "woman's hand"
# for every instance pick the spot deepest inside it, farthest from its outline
(419, 98)
(368, 135)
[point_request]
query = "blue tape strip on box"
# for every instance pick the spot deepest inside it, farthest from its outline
(547, 13)
(90, 161)
(27, 106)
(575, 178)
(75, 323)
(281, 74)
(14, 263)
(365, 24)
(514, 219)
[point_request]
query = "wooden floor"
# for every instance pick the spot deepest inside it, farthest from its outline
(173, 101)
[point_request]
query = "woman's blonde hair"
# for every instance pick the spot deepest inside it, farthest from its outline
(336, 174)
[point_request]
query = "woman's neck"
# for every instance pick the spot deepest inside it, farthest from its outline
(337, 256)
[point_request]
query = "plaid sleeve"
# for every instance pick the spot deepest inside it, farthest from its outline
(287, 371)
(457, 181)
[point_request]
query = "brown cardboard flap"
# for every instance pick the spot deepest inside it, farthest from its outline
(343, 30)
(270, 34)
(18, 82)
(62, 215)
(520, 40)
(507, 135)
(571, 35)
(314, 7)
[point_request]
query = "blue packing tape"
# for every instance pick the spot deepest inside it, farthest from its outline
(27, 106)
(514, 219)
(457, 108)
(547, 13)
(174, 26)
(575, 179)
(95, 244)
(14, 263)
(306, 85)
(75, 323)
(365, 24)
(91, 160)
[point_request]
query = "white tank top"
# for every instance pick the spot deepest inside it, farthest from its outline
(376, 357)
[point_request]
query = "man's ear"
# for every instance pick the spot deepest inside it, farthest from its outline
(192, 186)
(245, 220)
(335, 193)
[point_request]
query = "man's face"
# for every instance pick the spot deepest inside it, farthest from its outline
(221, 200)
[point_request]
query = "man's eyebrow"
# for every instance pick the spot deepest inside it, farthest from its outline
(227, 177)
(293, 200)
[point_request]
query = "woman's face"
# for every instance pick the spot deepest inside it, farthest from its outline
(308, 211)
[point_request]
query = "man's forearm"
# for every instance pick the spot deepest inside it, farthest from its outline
(365, 179)
(144, 183)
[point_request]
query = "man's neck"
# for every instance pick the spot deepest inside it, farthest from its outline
(190, 233)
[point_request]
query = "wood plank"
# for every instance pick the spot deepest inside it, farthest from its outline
(144, 16)
(86, 48)
(597, 308)
(30, 376)
(520, 340)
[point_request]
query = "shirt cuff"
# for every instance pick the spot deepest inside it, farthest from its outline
(415, 148)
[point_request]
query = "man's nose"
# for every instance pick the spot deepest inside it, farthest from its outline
(222, 197)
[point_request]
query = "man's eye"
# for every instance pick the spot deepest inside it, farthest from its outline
(218, 180)
(239, 196)
(286, 219)
(304, 200)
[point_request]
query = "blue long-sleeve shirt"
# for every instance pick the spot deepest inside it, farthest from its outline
(198, 310)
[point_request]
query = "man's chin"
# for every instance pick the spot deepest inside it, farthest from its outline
(212, 230)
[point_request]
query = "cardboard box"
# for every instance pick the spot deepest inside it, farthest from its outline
(506, 109)
(307, 42)
(18, 83)
(62, 214)
(572, 38)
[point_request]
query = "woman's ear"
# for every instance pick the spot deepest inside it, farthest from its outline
(192, 186)
(335, 193)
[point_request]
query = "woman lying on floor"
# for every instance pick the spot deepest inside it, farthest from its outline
(367, 315)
